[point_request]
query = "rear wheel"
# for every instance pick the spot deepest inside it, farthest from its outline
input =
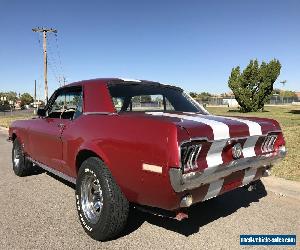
(21, 166)
(102, 207)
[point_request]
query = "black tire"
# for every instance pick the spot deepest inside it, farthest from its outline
(21, 166)
(111, 217)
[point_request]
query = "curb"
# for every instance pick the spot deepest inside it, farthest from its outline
(282, 187)
(274, 184)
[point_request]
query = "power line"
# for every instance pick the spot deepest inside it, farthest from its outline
(58, 52)
(55, 58)
(53, 63)
(53, 72)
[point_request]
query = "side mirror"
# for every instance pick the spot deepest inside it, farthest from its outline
(41, 112)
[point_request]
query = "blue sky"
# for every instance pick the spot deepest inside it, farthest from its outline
(193, 44)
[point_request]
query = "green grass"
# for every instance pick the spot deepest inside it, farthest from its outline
(287, 116)
(289, 119)
(6, 120)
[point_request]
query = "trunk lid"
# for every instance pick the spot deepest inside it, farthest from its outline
(214, 140)
(217, 127)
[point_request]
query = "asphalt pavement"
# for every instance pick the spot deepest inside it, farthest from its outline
(38, 212)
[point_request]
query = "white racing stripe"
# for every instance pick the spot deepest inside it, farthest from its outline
(214, 189)
(249, 146)
(220, 129)
(254, 127)
(214, 155)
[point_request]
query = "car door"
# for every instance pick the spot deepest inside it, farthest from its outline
(46, 134)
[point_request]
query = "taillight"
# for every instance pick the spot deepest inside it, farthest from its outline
(272, 143)
(268, 144)
(189, 154)
(280, 142)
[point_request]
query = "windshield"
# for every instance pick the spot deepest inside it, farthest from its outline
(152, 97)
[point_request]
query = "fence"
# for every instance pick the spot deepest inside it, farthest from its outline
(217, 101)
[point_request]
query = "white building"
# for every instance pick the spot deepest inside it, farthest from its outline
(230, 102)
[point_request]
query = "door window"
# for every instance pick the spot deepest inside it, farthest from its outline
(66, 105)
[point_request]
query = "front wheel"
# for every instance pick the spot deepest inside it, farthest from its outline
(21, 166)
(102, 207)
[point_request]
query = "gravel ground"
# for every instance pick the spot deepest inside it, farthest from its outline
(38, 212)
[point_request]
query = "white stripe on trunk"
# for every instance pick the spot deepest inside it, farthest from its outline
(220, 129)
(214, 189)
(214, 155)
(254, 127)
(249, 146)
(249, 175)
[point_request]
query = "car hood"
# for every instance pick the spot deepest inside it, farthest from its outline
(214, 127)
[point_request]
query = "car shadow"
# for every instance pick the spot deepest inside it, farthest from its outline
(295, 112)
(67, 183)
(239, 111)
(36, 171)
(200, 214)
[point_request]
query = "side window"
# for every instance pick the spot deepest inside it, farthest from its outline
(150, 102)
(67, 105)
(118, 102)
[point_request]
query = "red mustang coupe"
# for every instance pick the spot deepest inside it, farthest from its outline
(129, 141)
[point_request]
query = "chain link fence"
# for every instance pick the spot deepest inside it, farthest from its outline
(231, 102)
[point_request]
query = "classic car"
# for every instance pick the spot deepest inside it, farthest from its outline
(124, 142)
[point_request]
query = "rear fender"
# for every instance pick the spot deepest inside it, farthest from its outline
(93, 147)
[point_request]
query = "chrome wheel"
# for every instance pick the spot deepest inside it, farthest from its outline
(91, 198)
(17, 156)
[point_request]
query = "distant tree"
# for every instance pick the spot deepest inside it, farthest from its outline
(284, 93)
(193, 94)
(276, 92)
(146, 98)
(287, 93)
(204, 97)
(201, 97)
(26, 99)
(10, 95)
(253, 87)
(136, 99)
(224, 95)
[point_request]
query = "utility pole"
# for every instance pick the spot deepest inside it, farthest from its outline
(283, 84)
(34, 90)
(44, 31)
(35, 104)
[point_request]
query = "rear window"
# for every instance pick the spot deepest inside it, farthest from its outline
(151, 97)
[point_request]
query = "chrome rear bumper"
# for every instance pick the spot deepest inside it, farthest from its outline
(181, 182)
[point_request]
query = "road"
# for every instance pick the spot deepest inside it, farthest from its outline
(38, 212)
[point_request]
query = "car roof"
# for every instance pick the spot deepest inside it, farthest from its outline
(115, 81)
